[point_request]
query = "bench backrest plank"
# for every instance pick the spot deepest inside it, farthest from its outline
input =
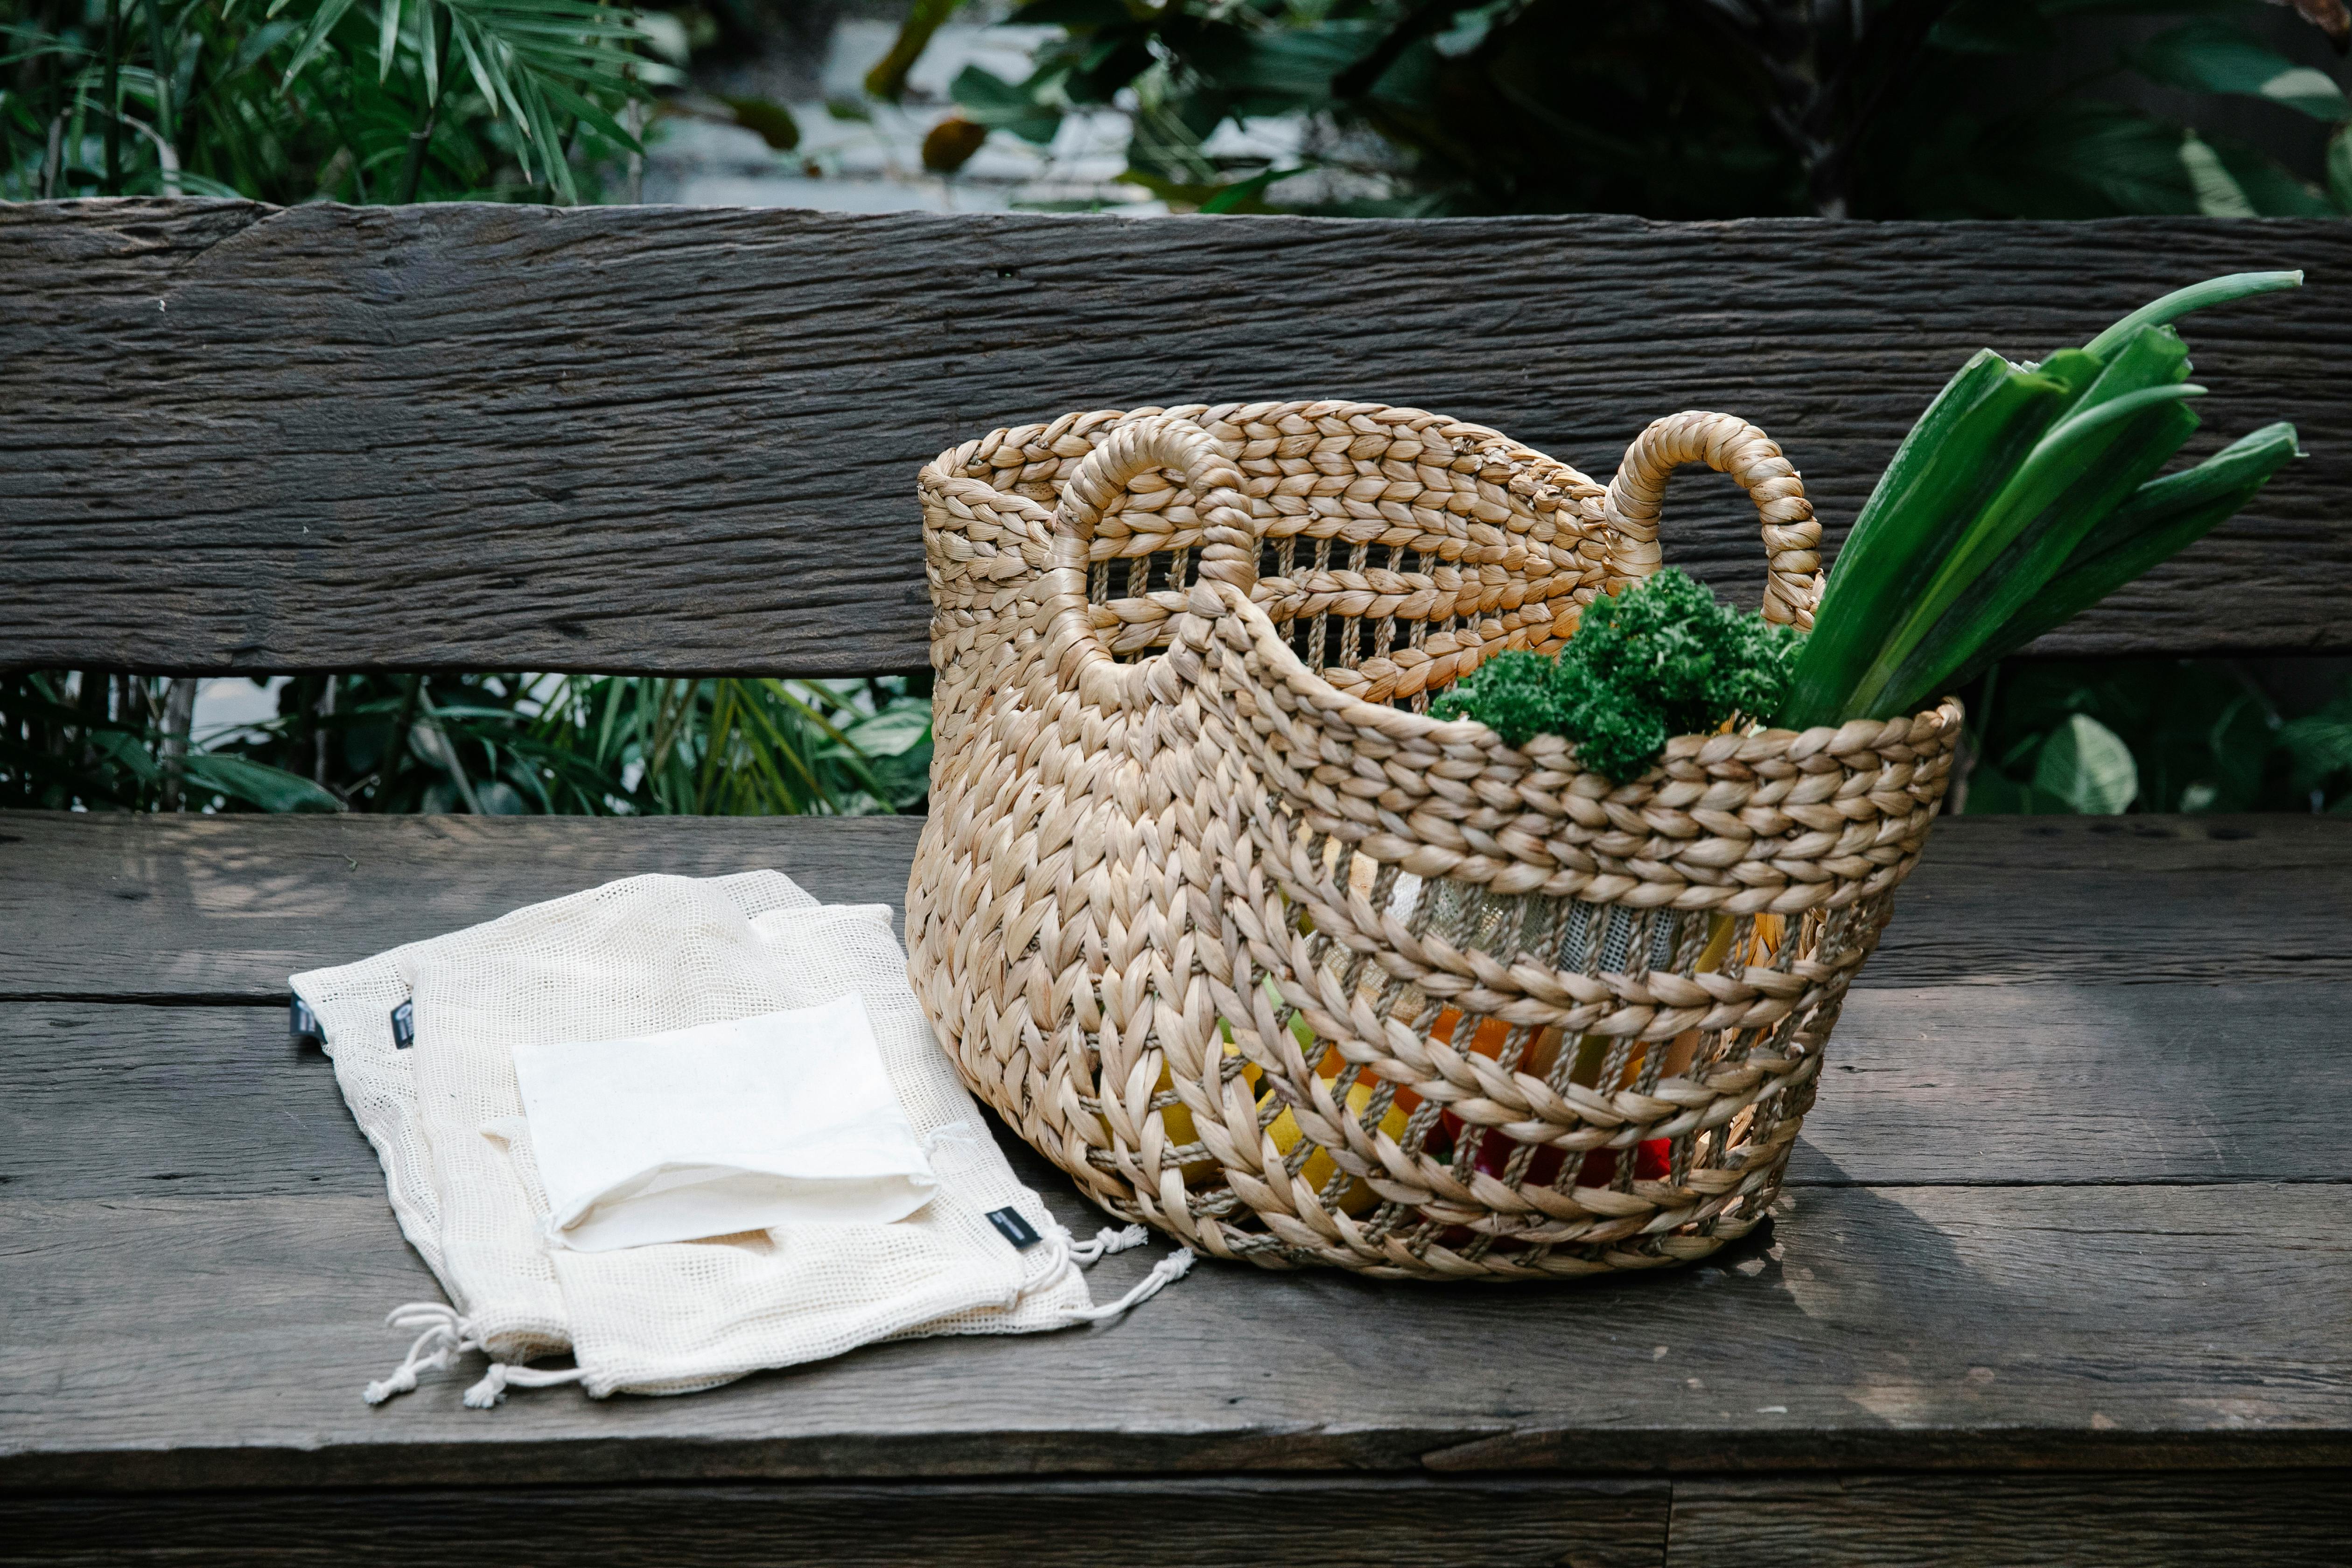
(235, 438)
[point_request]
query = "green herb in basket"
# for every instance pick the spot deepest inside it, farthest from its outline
(2025, 494)
(1659, 660)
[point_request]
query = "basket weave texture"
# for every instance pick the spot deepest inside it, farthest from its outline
(1212, 912)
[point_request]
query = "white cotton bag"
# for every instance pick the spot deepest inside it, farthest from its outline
(719, 1129)
(437, 1091)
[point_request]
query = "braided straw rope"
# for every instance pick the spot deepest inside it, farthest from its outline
(1265, 957)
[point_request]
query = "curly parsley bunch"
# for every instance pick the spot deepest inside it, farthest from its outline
(1661, 659)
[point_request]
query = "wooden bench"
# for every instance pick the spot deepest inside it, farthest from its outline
(2064, 1274)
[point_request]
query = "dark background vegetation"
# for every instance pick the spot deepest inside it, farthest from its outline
(1670, 109)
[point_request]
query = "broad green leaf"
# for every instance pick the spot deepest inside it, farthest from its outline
(2212, 57)
(2270, 187)
(989, 100)
(499, 798)
(1244, 193)
(259, 784)
(894, 730)
(2218, 195)
(2120, 159)
(2087, 765)
(1992, 793)
(1297, 65)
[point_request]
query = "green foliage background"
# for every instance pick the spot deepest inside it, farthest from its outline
(1692, 108)
(489, 744)
(288, 100)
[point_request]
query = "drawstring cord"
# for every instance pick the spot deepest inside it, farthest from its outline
(444, 1337)
(1106, 1241)
(503, 1373)
(1068, 1254)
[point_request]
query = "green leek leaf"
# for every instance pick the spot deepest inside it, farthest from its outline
(2162, 518)
(2195, 297)
(2086, 464)
(1983, 423)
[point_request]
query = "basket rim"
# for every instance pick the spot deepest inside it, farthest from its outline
(1557, 753)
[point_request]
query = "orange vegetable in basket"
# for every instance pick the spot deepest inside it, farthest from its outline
(1653, 1158)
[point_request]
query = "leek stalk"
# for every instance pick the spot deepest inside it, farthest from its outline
(2023, 495)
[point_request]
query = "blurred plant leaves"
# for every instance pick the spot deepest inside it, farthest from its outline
(1729, 108)
(2087, 765)
(892, 732)
(2320, 747)
(362, 100)
(2212, 57)
(494, 744)
(888, 79)
(2203, 735)
(949, 145)
(990, 100)
(257, 783)
(772, 121)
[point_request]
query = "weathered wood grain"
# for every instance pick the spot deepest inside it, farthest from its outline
(1198, 1522)
(176, 908)
(172, 1343)
(2055, 1085)
(238, 438)
(2292, 1519)
(2213, 1520)
(2289, 1519)
(224, 908)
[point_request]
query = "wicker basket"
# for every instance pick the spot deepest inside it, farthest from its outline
(1265, 957)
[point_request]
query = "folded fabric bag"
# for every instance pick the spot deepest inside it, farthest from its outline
(719, 1129)
(426, 1040)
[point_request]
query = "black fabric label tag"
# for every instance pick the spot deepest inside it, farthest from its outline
(404, 1026)
(303, 1024)
(1013, 1228)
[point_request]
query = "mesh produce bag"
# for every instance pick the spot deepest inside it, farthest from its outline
(422, 1039)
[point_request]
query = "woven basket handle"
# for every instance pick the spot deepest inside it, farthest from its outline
(1228, 549)
(1730, 445)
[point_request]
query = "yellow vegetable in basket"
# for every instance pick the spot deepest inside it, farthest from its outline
(1321, 1167)
(1177, 1121)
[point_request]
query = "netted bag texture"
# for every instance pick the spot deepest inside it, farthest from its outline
(644, 956)
(1262, 955)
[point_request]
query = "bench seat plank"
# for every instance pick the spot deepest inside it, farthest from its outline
(224, 908)
(648, 439)
(2063, 1085)
(2198, 1520)
(175, 1342)
(1187, 1523)
(2284, 1520)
